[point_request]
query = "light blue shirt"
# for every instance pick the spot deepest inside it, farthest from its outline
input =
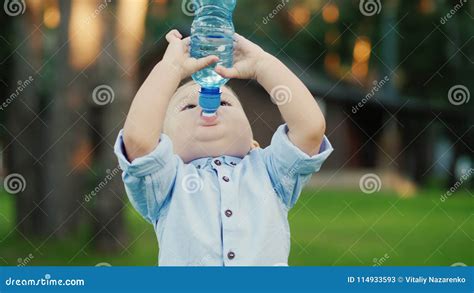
(223, 211)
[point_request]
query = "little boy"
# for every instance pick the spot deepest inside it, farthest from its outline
(213, 196)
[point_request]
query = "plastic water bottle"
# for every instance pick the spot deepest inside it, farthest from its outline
(212, 33)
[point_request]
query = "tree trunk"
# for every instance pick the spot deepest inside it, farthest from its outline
(24, 128)
(66, 133)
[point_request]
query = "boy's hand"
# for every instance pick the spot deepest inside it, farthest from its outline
(296, 103)
(177, 54)
(248, 58)
(145, 119)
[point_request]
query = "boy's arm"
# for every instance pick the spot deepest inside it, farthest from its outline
(306, 124)
(144, 122)
(300, 111)
(299, 151)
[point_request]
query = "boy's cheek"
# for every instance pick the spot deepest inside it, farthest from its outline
(229, 112)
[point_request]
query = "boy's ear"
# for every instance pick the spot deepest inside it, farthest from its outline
(255, 144)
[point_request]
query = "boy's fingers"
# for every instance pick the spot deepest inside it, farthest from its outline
(240, 42)
(176, 33)
(227, 72)
(173, 35)
(199, 64)
(237, 35)
(238, 38)
(186, 43)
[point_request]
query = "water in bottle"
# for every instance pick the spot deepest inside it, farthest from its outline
(212, 33)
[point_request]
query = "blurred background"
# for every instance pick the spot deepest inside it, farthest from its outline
(393, 77)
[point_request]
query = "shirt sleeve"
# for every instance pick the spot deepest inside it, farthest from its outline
(148, 180)
(289, 167)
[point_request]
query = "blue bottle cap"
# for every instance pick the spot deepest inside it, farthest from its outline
(209, 100)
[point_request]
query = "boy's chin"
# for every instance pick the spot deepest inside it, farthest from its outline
(209, 135)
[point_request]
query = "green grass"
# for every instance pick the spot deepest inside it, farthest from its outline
(327, 228)
(334, 228)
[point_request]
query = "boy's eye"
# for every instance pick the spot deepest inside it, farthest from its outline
(225, 103)
(188, 107)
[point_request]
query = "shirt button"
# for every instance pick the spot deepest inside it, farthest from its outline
(217, 162)
(226, 179)
(228, 213)
(199, 166)
(230, 255)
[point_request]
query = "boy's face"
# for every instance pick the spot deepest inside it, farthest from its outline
(194, 137)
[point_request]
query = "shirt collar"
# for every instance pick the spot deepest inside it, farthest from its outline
(228, 160)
